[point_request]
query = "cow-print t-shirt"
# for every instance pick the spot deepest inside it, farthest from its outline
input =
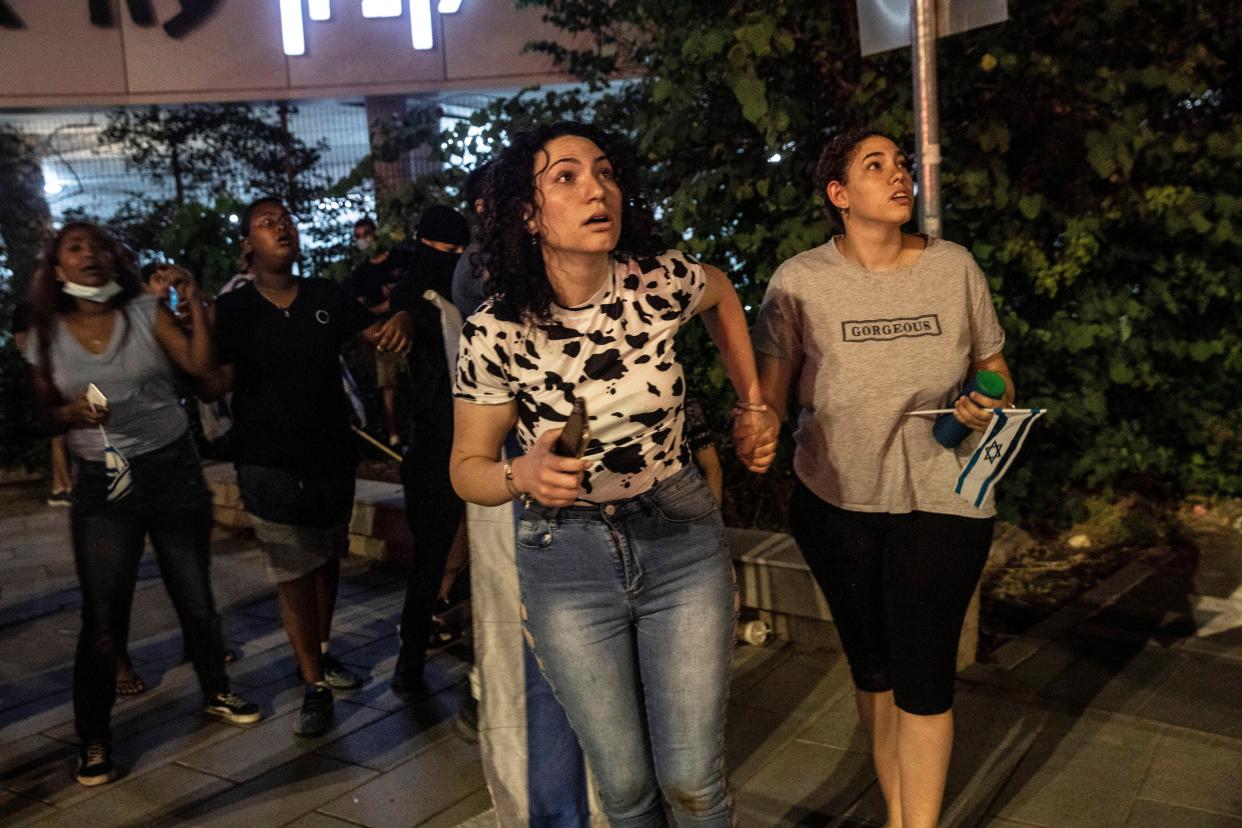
(616, 352)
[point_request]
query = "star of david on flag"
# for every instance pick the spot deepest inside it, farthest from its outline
(1003, 439)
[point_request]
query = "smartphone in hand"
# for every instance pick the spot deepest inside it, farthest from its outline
(96, 398)
(576, 434)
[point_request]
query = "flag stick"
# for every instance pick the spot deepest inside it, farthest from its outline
(376, 443)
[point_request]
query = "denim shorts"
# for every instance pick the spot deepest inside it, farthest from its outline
(300, 522)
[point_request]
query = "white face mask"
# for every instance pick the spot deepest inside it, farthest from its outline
(363, 244)
(92, 293)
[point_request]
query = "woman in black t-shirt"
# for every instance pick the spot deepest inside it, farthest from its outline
(278, 339)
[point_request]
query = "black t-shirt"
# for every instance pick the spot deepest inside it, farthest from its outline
(369, 278)
(289, 408)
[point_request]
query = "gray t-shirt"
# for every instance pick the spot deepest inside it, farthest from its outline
(132, 372)
(866, 347)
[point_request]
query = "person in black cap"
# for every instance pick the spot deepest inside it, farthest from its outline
(432, 508)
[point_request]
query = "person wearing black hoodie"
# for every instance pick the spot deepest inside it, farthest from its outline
(432, 508)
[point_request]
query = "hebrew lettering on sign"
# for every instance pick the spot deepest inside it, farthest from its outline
(9, 18)
(141, 12)
(293, 27)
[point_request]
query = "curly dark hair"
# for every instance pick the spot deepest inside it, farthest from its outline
(834, 163)
(516, 276)
(47, 300)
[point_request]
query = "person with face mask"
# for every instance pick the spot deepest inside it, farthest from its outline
(103, 358)
(433, 510)
(370, 283)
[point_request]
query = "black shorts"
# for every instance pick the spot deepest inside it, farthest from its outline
(898, 586)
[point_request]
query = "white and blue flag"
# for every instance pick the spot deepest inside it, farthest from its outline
(1003, 439)
(117, 467)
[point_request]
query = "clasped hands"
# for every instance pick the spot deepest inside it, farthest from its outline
(755, 432)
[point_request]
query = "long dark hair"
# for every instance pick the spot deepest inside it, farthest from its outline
(47, 300)
(516, 275)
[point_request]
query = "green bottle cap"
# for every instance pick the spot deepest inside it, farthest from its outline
(991, 384)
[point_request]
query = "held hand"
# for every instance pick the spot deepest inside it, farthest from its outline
(80, 413)
(549, 478)
(396, 333)
(755, 435)
(975, 411)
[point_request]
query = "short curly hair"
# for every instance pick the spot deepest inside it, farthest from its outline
(834, 164)
(514, 260)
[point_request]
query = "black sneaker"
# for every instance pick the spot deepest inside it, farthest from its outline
(95, 764)
(232, 708)
(316, 715)
(337, 676)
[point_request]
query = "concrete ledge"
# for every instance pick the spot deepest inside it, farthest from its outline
(774, 580)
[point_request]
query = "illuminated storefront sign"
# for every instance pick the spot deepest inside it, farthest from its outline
(293, 28)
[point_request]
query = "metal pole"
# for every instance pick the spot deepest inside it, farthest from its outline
(926, 114)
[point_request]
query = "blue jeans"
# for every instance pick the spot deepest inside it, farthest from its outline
(630, 608)
(168, 500)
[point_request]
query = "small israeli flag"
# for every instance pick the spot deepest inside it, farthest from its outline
(119, 479)
(1003, 440)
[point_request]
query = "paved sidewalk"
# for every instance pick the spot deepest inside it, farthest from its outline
(1121, 710)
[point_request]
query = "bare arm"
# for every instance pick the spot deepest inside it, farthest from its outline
(754, 432)
(216, 384)
(478, 474)
(776, 377)
(192, 352)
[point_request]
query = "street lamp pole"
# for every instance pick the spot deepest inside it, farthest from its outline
(926, 114)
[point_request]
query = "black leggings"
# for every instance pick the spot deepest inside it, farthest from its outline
(898, 587)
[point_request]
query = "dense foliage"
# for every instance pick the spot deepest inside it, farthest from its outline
(24, 216)
(1092, 163)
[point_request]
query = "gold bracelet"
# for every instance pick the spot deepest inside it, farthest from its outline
(749, 406)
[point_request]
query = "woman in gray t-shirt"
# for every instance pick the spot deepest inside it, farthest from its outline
(875, 323)
(136, 470)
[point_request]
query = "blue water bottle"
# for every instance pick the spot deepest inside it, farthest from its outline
(947, 430)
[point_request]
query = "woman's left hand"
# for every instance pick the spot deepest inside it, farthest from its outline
(755, 434)
(975, 411)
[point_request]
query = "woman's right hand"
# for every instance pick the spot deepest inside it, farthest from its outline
(81, 413)
(549, 478)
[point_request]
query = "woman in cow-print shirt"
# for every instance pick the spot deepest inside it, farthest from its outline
(626, 580)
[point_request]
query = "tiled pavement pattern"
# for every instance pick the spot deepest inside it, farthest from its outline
(1122, 710)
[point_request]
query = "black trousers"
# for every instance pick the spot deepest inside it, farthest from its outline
(168, 500)
(898, 586)
(434, 512)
